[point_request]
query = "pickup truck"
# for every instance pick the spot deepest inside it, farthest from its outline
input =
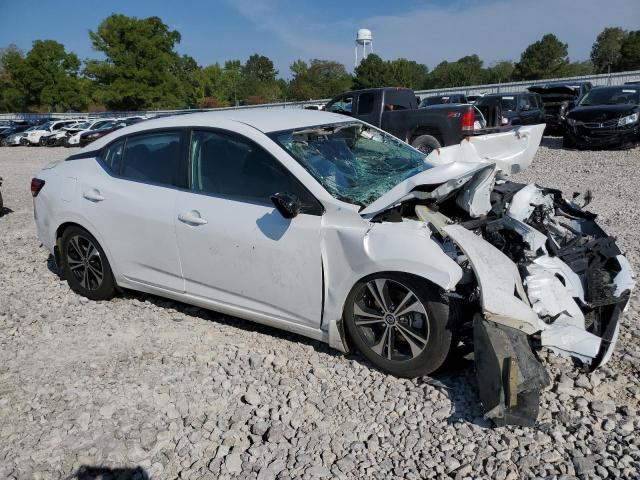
(396, 111)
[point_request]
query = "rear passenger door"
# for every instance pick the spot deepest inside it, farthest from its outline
(129, 198)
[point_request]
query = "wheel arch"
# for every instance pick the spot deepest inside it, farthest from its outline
(62, 227)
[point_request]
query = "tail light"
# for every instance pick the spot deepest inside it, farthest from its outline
(468, 118)
(36, 186)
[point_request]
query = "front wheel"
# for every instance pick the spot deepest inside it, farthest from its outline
(85, 265)
(400, 323)
(426, 144)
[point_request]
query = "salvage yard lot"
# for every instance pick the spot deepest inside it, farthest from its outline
(175, 391)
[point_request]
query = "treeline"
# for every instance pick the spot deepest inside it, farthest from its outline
(141, 70)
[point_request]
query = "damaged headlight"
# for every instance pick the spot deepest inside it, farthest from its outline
(628, 120)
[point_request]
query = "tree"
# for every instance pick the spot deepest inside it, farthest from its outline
(45, 79)
(629, 52)
(259, 83)
(320, 79)
(372, 72)
(545, 58)
(141, 69)
(12, 97)
(605, 52)
(464, 71)
(407, 73)
(578, 69)
(501, 72)
(232, 77)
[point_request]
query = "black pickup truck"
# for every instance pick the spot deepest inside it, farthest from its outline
(396, 111)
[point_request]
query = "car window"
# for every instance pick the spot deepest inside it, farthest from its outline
(112, 155)
(154, 158)
(508, 103)
(234, 167)
(365, 103)
(342, 105)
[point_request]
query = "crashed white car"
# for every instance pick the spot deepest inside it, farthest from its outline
(328, 227)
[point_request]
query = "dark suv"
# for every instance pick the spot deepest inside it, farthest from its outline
(558, 98)
(520, 108)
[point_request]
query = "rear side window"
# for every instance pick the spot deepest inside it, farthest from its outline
(112, 156)
(154, 158)
(365, 103)
(233, 167)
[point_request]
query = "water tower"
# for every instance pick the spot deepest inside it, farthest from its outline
(363, 39)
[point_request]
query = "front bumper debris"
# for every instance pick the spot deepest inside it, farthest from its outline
(510, 377)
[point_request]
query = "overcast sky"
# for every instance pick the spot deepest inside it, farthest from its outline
(285, 30)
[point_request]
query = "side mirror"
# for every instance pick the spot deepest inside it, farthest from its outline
(287, 204)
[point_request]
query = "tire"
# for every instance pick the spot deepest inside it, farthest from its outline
(3, 142)
(1, 204)
(426, 144)
(421, 338)
(567, 142)
(82, 259)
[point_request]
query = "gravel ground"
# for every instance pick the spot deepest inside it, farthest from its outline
(144, 387)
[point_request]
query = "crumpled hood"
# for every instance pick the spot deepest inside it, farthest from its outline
(511, 152)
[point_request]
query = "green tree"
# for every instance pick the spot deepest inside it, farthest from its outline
(46, 79)
(501, 72)
(464, 71)
(372, 72)
(578, 69)
(232, 79)
(141, 69)
(259, 83)
(605, 52)
(545, 58)
(12, 96)
(319, 79)
(407, 73)
(629, 52)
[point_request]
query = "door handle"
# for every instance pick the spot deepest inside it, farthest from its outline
(192, 217)
(93, 195)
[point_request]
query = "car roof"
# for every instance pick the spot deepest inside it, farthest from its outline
(264, 119)
(508, 94)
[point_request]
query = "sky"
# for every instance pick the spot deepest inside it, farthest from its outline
(428, 31)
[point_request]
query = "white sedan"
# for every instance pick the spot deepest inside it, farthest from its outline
(325, 226)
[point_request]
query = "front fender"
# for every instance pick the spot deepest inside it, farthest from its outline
(351, 252)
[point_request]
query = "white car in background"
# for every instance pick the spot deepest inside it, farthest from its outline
(19, 138)
(34, 136)
(74, 140)
(328, 227)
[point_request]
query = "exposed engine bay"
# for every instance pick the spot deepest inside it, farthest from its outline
(538, 272)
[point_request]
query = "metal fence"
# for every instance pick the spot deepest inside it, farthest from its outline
(617, 78)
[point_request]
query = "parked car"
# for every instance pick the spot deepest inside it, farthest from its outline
(605, 117)
(558, 99)
(17, 138)
(8, 131)
(455, 98)
(34, 136)
(92, 135)
(329, 227)
(74, 139)
(396, 111)
(521, 108)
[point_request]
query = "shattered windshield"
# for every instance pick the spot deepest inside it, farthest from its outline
(355, 163)
(610, 96)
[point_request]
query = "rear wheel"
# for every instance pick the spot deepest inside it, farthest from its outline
(400, 323)
(426, 144)
(85, 265)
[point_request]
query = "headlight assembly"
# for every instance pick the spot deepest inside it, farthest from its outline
(628, 120)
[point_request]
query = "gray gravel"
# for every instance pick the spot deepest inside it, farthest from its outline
(141, 386)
